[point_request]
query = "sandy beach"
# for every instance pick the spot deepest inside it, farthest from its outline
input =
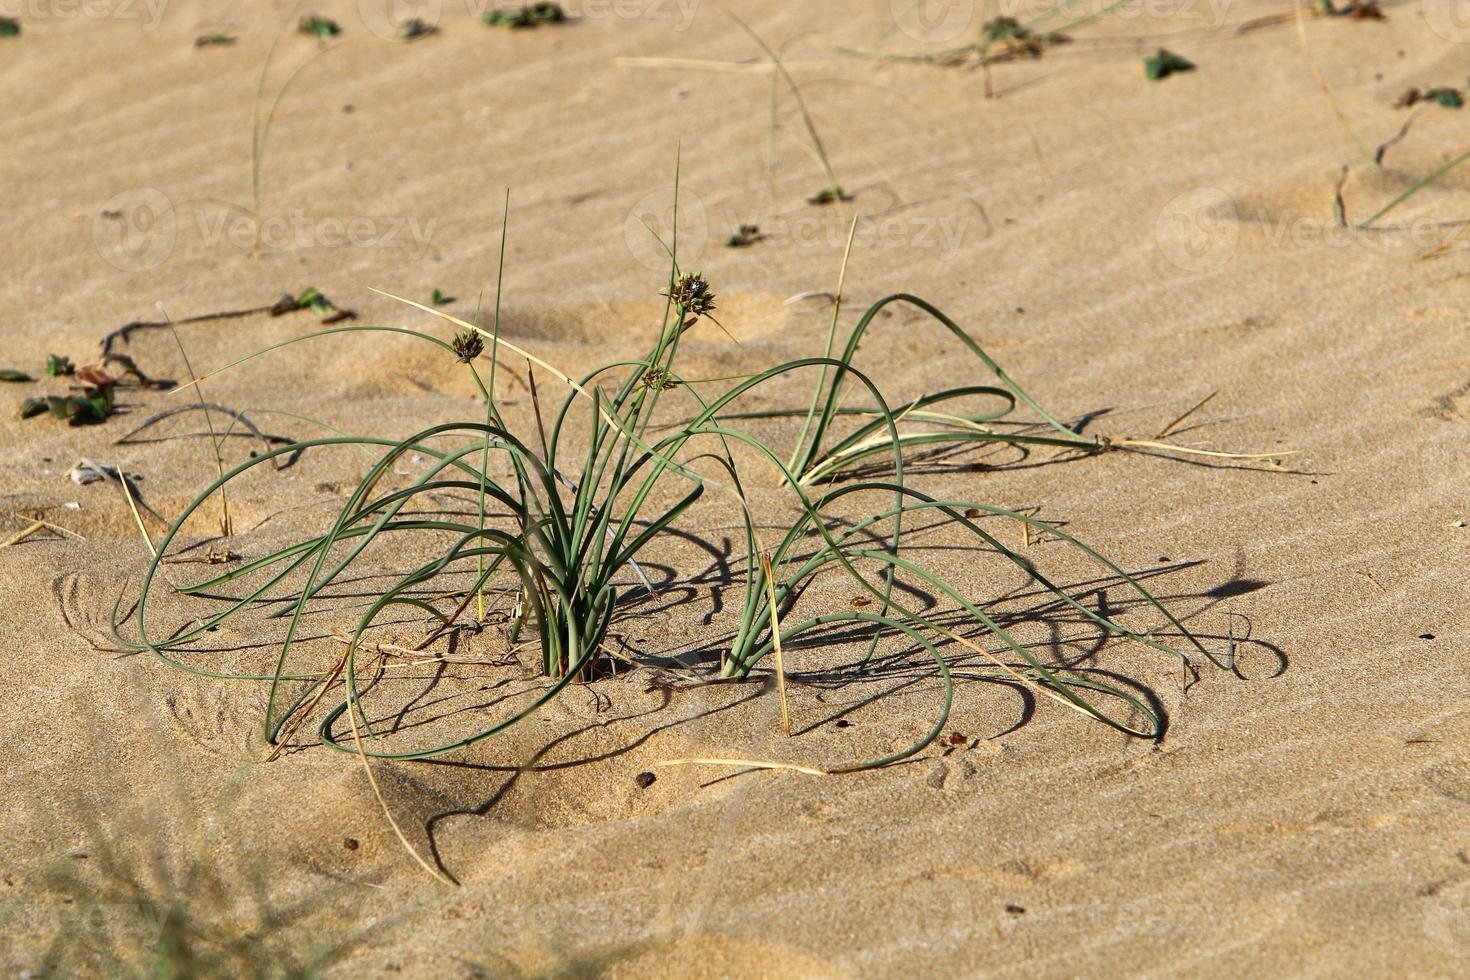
(1123, 247)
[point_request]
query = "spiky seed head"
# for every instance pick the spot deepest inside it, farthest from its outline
(691, 293)
(659, 379)
(468, 346)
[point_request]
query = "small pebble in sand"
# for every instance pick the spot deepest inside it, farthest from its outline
(644, 779)
(1014, 909)
(350, 843)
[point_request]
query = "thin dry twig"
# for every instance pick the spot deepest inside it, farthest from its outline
(122, 333)
(19, 536)
(1394, 140)
(1164, 432)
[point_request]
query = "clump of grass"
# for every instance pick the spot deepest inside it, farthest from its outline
(529, 15)
(744, 237)
(1357, 9)
(560, 516)
(1004, 38)
(9, 27)
(414, 29)
(214, 40)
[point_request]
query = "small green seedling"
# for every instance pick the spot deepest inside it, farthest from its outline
(59, 366)
(9, 27)
(999, 29)
(1450, 98)
(214, 40)
(328, 311)
(1164, 64)
(829, 195)
(438, 298)
(318, 27)
(744, 237)
(311, 299)
(1012, 39)
(89, 410)
(414, 29)
(9, 374)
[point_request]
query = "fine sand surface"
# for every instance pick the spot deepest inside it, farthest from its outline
(1121, 246)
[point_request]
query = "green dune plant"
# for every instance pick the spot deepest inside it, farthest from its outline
(565, 514)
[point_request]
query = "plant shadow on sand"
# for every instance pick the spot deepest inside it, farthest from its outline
(664, 702)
